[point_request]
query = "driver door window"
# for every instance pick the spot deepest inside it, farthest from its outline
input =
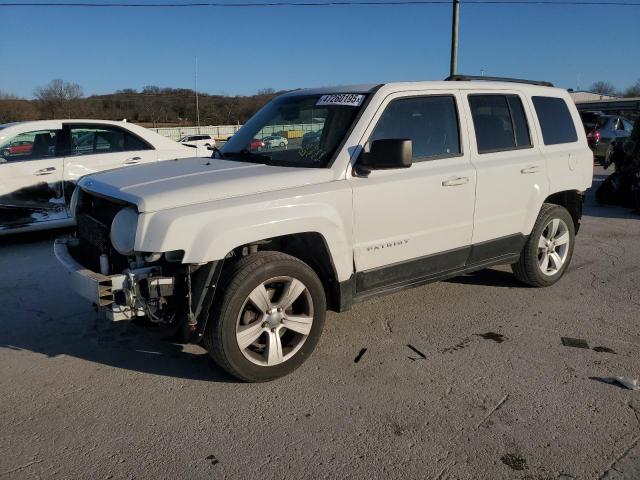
(431, 123)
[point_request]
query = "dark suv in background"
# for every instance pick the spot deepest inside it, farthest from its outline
(604, 130)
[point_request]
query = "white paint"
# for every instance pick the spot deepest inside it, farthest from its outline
(20, 174)
(207, 208)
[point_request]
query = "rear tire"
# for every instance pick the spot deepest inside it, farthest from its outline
(268, 318)
(548, 251)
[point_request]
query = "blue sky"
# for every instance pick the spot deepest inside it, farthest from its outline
(241, 50)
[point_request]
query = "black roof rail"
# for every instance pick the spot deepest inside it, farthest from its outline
(462, 78)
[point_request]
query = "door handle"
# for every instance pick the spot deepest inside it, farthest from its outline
(455, 181)
(531, 169)
(45, 171)
(132, 160)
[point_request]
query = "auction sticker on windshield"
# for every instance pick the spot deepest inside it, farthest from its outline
(346, 99)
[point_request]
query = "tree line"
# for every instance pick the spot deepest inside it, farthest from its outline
(150, 106)
(156, 106)
(606, 88)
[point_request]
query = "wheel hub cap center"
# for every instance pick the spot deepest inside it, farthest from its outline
(274, 317)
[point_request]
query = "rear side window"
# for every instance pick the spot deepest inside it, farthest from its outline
(91, 140)
(431, 123)
(499, 122)
(555, 120)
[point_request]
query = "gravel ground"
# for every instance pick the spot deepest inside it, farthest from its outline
(460, 379)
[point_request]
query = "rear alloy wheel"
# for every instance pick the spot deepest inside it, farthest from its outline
(268, 318)
(553, 247)
(547, 253)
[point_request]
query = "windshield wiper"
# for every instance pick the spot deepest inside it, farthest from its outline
(250, 156)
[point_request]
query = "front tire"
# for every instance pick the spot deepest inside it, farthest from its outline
(268, 319)
(548, 251)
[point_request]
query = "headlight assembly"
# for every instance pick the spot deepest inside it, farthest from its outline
(123, 230)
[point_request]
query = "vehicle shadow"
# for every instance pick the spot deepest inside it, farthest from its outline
(488, 277)
(40, 314)
(33, 237)
(122, 345)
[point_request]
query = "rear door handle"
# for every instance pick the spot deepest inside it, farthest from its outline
(132, 160)
(45, 171)
(455, 181)
(531, 169)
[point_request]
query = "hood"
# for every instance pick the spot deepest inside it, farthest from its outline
(188, 181)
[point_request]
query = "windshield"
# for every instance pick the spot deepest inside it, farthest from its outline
(296, 131)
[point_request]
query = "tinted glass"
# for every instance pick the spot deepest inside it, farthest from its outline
(311, 128)
(602, 122)
(29, 146)
(492, 123)
(589, 120)
(555, 120)
(89, 141)
(519, 118)
(134, 143)
(431, 123)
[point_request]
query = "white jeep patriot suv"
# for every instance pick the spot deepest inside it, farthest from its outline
(380, 187)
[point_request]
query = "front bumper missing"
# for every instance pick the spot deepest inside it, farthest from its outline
(95, 287)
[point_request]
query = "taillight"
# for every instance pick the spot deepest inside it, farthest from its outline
(594, 135)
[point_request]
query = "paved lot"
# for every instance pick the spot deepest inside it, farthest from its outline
(83, 399)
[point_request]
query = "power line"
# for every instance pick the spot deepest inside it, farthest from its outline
(315, 4)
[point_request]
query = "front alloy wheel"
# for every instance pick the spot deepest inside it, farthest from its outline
(275, 321)
(268, 316)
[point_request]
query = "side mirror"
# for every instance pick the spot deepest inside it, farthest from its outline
(386, 154)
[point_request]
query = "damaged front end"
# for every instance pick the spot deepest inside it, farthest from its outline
(125, 284)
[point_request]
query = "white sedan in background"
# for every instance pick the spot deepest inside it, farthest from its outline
(275, 141)
(202, 143)
(41, 161)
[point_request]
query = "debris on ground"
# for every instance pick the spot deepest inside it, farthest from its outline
(625, 382)
(574, 342)
(515, 462)
(604, 350)
(422, 356)
(359, 356)
(496, 337)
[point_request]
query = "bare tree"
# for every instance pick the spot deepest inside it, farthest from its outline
(7, 96)
(266, 91)
(603, 88)
(15, 109)
(58, 97)
(633, 91)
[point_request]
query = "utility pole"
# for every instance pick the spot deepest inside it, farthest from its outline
(197, 107)
(454, 37)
